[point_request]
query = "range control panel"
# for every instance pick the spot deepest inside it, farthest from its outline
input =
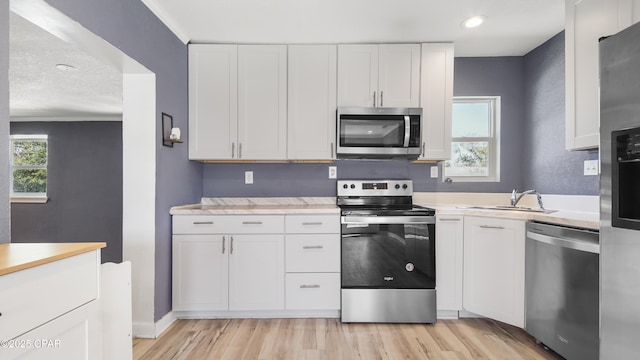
(375, 187)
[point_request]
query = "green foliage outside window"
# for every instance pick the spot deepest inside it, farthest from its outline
(29, 166)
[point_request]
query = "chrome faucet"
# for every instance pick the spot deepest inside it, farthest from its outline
(515, 198)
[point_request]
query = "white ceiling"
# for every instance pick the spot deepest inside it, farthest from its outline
(513, 27)
(94, 92)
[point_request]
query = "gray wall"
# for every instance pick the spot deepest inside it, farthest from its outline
(473, 76)
(130, 26)
(5, 205)
(84, 186)
(548, 167)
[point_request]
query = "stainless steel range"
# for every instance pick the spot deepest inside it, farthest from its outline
(388, 253)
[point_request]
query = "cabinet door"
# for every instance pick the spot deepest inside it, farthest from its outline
(74, 335)
(399, 75)
(213, 102)
(256, 272)
(312, 102)
(262, 102)
(200, 272)
(449, 255)
(494, 268)
(586, 22)
(357, 75)
(436, 100)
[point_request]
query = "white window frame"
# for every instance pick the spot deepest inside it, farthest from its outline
(17, 197)
(493, 139)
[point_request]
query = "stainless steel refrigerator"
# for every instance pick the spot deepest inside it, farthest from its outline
(620, 195)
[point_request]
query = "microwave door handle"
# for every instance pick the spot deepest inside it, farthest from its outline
(407, 130)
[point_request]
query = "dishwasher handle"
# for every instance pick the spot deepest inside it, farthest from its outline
(574, 244)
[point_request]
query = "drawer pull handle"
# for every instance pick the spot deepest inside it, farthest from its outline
(309, 286)
(203, 223)
(231, 249)
(449, 219)
(492, 227)
(312, 223)
(310, 247)
(224, 240)
(252, 223)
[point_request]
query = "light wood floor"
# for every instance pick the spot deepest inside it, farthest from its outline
(330, 339)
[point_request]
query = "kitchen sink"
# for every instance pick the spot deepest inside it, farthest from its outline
(509, 207)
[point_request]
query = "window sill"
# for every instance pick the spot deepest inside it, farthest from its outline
(29, 199)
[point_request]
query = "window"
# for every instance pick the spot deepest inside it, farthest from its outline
(29, 155)
(475, 140)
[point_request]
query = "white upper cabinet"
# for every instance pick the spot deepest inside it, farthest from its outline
(386, 75)
(213, 101)
(436, 98)
(262, 102)
(312, 102)
(586, 22)
(237, 102)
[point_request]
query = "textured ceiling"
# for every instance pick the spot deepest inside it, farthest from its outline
(40, 90)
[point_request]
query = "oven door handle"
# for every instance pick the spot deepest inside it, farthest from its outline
(357, 220)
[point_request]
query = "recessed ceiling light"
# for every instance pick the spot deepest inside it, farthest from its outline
(66, 67)
(474, 21)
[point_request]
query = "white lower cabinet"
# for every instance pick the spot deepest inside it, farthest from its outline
(241, 268)
(52, 311)
(449, 267)
(256, 272)
(313, 262)
(494, 268)
(245, 264)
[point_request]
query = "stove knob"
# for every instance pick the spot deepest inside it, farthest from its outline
(345, 186)
(404, 186)
(397, 186)
(353, 186)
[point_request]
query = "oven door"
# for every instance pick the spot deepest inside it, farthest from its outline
(388, 252)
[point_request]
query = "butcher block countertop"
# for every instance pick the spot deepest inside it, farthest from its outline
(16, 257)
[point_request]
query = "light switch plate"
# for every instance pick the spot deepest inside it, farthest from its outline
(590, 167)
(434, 172)
(248, 177)
(333, 172)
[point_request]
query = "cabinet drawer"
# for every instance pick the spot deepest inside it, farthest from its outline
(228, 224)
(198, 224)
(255, 224)
(316, 224)
(31, 297)
(313, 252)
(313, 291)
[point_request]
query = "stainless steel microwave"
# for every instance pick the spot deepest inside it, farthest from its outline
(378, 133)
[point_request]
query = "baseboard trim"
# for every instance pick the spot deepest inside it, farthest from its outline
(164, 323)
(448, 314)
(153, 330)
(277, 314)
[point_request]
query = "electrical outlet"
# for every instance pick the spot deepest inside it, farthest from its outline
(333, 172)
(590, 167)
(434, 172)
(248, 177)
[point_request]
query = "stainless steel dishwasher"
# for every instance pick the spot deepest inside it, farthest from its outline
(561, 282)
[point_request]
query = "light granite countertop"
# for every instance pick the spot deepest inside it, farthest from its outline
(586, 220)
(327, 205)
(260, 206)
